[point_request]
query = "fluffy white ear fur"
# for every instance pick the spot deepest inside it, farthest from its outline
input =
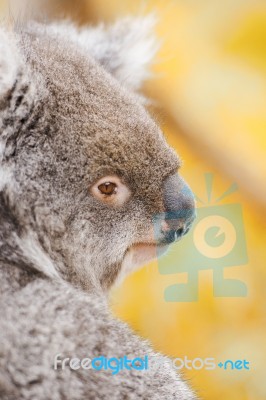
(8, 62)
(126, 49)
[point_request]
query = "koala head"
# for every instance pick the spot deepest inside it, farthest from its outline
(87, 170)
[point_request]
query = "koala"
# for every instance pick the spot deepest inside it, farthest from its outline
(85, 175)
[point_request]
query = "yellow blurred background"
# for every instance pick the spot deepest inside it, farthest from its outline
(209, 86)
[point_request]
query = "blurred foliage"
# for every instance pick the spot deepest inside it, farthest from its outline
(210, 85)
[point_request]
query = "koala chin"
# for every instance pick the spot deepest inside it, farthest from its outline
(86, 178)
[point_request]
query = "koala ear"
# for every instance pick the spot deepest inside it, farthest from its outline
(125, 49)
(9, 62)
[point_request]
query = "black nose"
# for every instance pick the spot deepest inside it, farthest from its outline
(174, 226)
(179, 213)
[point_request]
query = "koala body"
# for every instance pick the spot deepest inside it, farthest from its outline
(83, 171)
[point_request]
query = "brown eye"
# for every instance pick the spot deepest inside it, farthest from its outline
(108, 188)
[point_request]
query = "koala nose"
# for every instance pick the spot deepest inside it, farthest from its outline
(172, 233)
(179, 206)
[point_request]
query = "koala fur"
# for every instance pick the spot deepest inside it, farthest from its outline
(69, 116)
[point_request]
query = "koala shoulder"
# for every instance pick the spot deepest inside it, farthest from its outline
(95, 333)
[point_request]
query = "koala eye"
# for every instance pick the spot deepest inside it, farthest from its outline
(111, 190)
(107, 188)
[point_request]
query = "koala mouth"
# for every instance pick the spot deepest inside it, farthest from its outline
(140, 254)
(145, 252)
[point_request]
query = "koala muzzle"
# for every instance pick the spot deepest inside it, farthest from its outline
(179, 203)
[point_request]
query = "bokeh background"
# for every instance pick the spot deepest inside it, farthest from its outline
(209, 92)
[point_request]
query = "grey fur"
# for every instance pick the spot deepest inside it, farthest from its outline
(64, 123)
